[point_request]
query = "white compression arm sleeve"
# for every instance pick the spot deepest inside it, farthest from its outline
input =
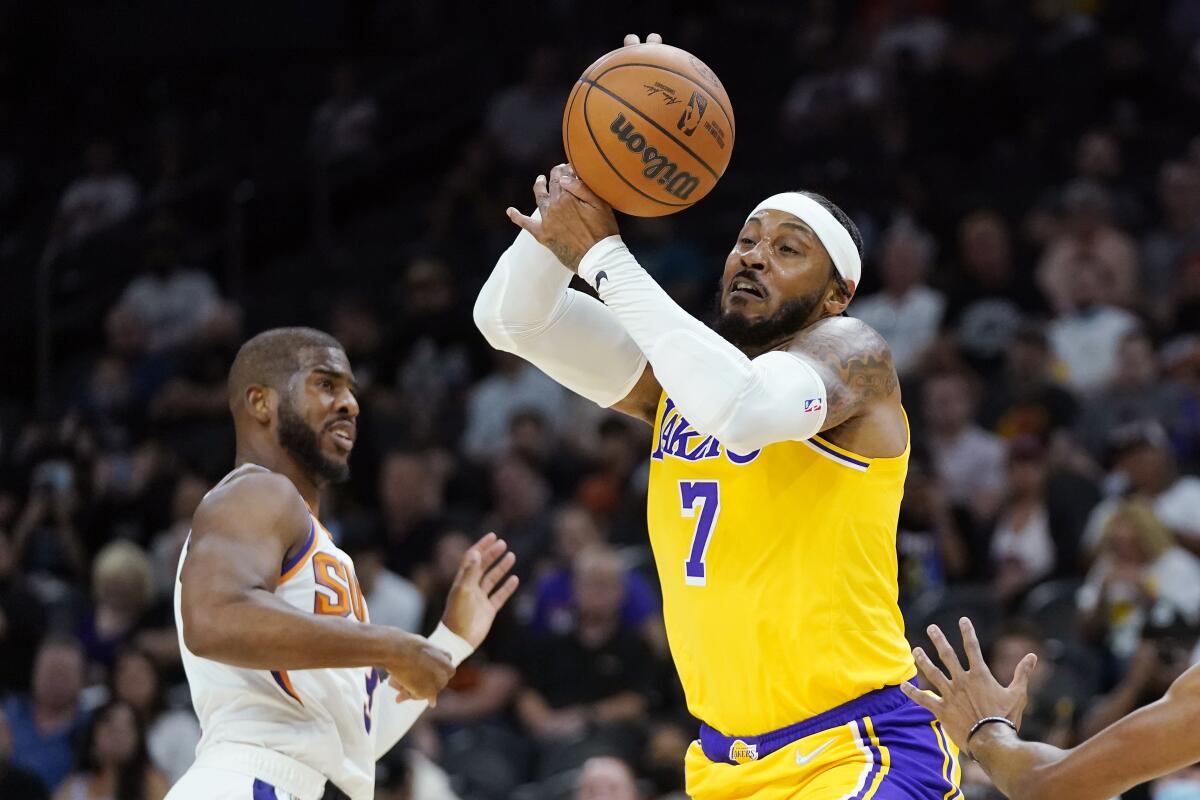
(391, 719)
(744, 403)
(525, 308)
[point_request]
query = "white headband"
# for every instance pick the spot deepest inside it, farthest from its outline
(829, 231)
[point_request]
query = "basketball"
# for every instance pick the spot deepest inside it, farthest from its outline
(649, 128)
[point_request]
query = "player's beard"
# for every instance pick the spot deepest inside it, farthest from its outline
(303, 444)
(756, 336)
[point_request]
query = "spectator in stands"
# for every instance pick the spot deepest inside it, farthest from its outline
(1162, 655)
(45, 723)
(1098, 158)
(1023, 550)
(1088, 236)
(1086, 338)
(102, 197)
(1024, 399)
(906, 312)
(606, 778)
(1186, 292)
(356, 324)
(930, 544)
(178, 304)
(1139, 574)
(167, 545)
(986, 305)
(15, 782)
(520, 509)
(1144, 467)
(1054, 698)
(122, 591)
(531, 440)
(968, 460)
(515, 385)
(412, 507)
(22, 621)
(615, 490)
(392, 600)
(555, 605)
(1178, 230)
(344, 126)
(525, 120)
(47, 539)
(592, 682)
(113, 761)
(1136, 393)
(833, 92)
(433, 353)
(171, 733)
(666, 749)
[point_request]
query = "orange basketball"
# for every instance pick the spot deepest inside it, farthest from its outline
(649, 128)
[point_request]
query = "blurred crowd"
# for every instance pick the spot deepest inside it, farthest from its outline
(1027, 179)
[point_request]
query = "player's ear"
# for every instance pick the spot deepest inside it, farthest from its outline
(836, 299)
(259, 403)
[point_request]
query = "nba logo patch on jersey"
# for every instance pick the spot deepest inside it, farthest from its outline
(812, 404)
(741, 753)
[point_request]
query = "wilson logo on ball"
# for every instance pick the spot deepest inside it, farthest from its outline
(659, 168)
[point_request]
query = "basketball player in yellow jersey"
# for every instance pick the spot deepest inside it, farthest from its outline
(780, 451)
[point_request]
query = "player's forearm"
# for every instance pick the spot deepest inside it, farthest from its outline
(745, 403)
(527, 309)
(259, 631)
(1154, 740)
(1019, 769)
(393, 718)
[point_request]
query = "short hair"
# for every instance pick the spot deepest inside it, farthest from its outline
(1154, 537)
(844, 219)
(271, 358)
(124, 559)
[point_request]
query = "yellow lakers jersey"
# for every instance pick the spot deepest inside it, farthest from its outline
(778, 572)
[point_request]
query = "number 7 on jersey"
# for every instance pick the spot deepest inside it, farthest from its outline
(704, 496)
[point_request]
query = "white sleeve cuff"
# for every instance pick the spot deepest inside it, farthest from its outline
(458, 647)
(593, 259)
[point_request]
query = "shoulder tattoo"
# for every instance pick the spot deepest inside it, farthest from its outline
(854, 361)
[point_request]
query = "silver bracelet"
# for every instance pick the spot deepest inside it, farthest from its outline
(987, 721)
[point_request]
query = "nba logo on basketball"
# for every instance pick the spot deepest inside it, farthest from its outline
(740, 752)
(689, 120)
(813, 404)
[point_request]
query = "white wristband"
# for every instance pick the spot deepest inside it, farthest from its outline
(458, 647)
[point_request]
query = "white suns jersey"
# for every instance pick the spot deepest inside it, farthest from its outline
(318, 717)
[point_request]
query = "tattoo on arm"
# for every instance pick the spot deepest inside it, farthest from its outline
(568, 256)
(854, 362)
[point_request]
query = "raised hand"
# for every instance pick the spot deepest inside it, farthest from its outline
(474, 599)
(967, 696)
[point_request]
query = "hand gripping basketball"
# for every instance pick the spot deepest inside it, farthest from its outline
(573, 218)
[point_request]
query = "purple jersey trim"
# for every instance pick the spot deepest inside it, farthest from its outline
(716, 744)
(294, 560)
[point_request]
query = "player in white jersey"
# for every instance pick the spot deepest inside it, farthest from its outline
(297, 693)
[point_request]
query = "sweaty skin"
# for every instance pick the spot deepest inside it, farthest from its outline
(1152, 741)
